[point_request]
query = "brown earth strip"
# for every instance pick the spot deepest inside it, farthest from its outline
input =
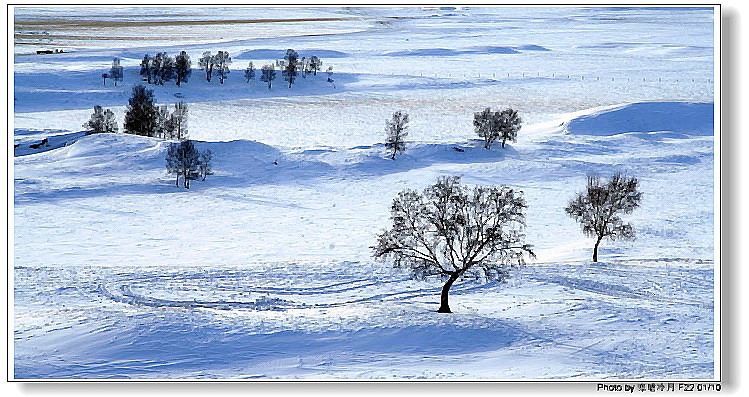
(52, 24)
(29, 36)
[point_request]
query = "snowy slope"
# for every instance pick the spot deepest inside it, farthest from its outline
(264, 270)
(313, 304)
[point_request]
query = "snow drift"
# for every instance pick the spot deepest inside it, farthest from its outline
(676, 117)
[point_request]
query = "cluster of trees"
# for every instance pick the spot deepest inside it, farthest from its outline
(215, 64)
(494, 126)
(144, 117)
(101, 121)
(162, 68)
(453, 232)
(491, 126)
(184, 160)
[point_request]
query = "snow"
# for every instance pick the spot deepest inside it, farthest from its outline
(264, 270)
(674, 117)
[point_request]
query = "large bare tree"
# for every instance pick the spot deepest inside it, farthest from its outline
(454, 232)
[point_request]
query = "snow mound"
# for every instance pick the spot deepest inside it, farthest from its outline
(423, 52)
(279, 54)
(678, 117)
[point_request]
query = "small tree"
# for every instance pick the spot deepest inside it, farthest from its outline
(156, 68)
(205, 63)
(221, 63)
(164, 128)
(249, 73)
(205, 167)
(396, 133)
(330, 76)
(182, 67)
(101, 121)
(315, 64)
(454, 232)
(483, 123)
(146, 69)
(598, 208)
(115, 72)
(179, 121)
(290, 70)
(141, 117)
(183, 159)
(268, 75)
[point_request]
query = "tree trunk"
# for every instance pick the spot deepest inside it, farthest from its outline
(503, 143)
(177, 182)
(444, 305)
(595, 250)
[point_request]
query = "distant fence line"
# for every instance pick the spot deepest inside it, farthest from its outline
(559, 76)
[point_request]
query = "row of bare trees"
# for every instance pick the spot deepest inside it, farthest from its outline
(162, 68)
(291, 67)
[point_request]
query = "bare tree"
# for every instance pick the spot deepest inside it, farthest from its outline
(455, 232)
(598, 208)
(483, 123)
(507, 124)
(146, 69)
(115, 72)
(221, 63)
(179, 121)
(290, 69)
(205, 63)
(396, 130)
(205, 167)
(330, 76)
(164, 127)
(249, 73)
(268, 75)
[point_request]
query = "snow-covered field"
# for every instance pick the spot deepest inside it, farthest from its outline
(264, 270)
